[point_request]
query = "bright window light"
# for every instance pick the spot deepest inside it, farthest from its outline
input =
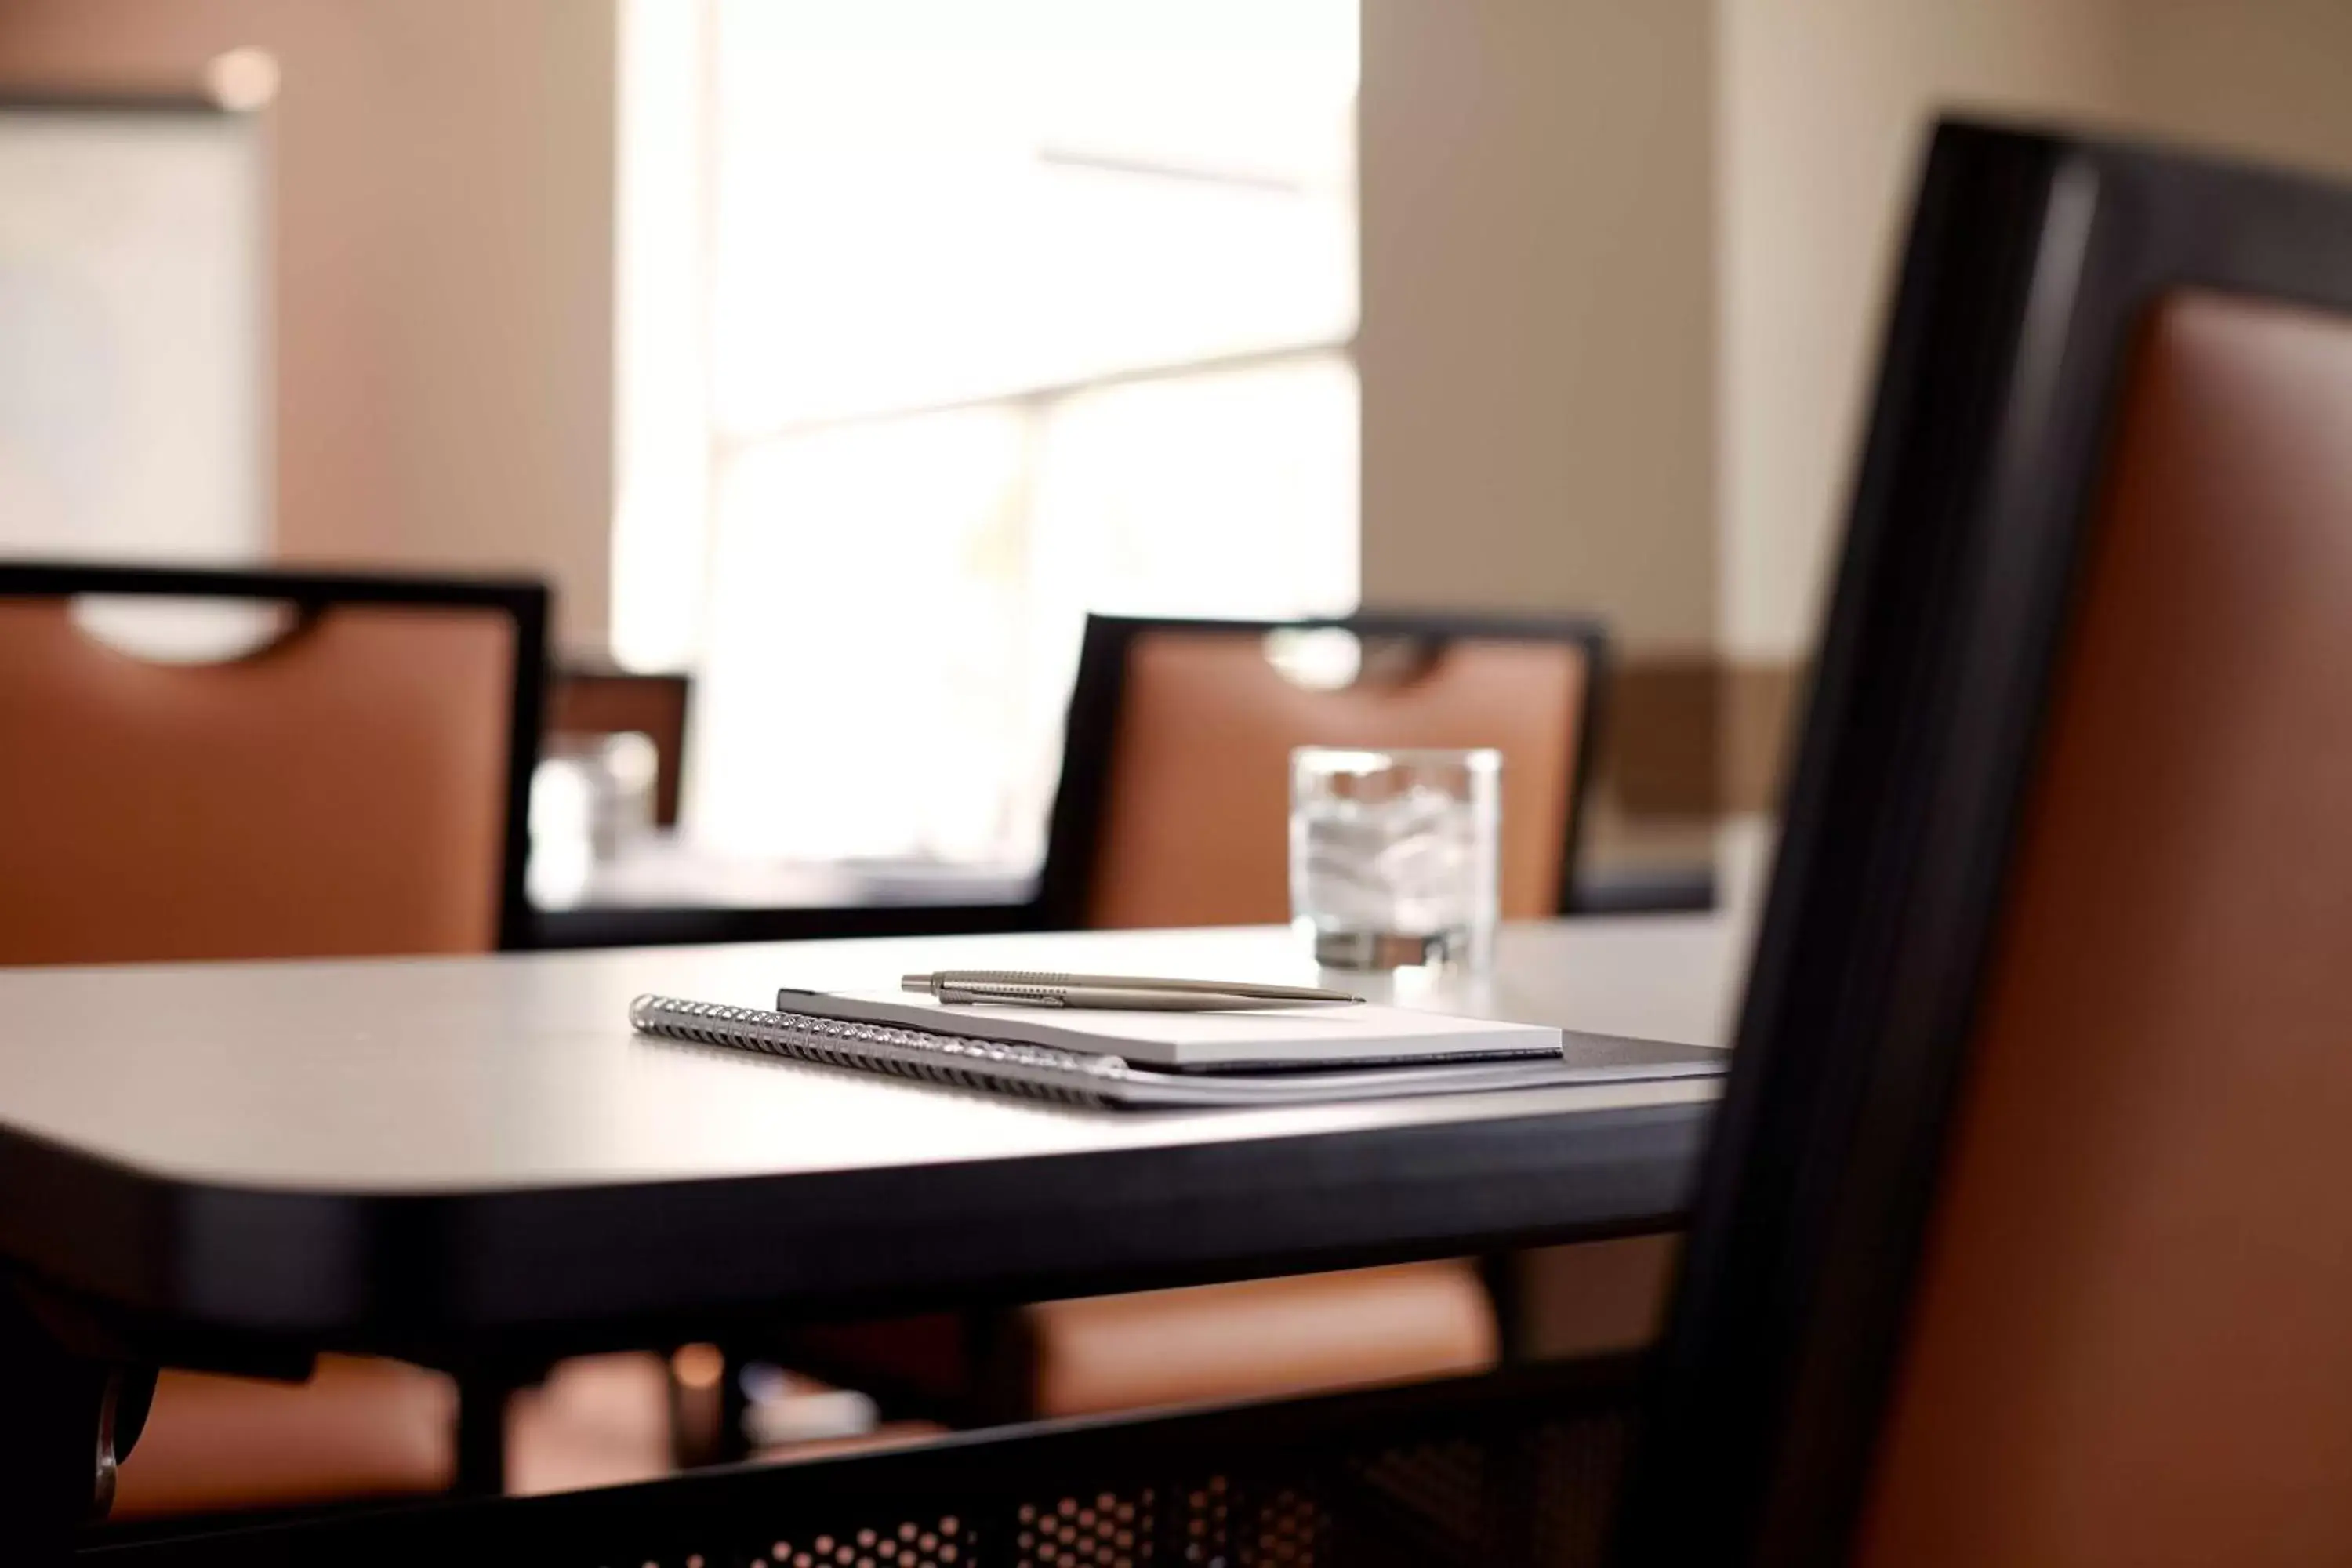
(1000, 310)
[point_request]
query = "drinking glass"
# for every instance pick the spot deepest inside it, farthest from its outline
(591, 798)
(1394, 855)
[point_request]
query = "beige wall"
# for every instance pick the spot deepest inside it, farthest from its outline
(442, 248)
(1825, 105)
(1537, 342)
(2268, 79)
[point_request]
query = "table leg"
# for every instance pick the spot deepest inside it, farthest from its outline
(734, 1412)
(482, 1395)
(1505, 1277)
(64, 1419)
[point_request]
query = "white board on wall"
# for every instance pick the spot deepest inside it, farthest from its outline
(133, 332)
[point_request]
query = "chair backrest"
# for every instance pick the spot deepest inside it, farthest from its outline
(593, 701)
(357, 784)
(2026, 1236)
(1174, 797)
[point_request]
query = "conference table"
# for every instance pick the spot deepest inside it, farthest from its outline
(455, 1161)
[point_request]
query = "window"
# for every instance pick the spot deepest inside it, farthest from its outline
(943, 324)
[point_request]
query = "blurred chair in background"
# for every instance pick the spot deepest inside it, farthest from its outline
(1173, 811)
(1175, 793)
(600, 699)
(350, 782)
(255, 765)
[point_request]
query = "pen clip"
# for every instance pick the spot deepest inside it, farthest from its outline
(1003, 993)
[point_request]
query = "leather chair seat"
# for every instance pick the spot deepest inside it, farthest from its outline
(1260, 1339)
(367, 1429)
(359, 1428)
(1257, 1339)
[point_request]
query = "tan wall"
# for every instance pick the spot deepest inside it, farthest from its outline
(443, 253)
(1825, 105)
(2268, 79)
(1537, 341)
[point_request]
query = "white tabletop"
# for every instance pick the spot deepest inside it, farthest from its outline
(520, 1070)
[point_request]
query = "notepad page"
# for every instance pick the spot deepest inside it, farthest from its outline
(1358, 1034)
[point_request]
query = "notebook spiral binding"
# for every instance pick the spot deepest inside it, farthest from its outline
(1037, 1072)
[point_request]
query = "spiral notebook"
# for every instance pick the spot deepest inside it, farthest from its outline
(1098, 1078)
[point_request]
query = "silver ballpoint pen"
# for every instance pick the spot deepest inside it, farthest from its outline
(1115, 993)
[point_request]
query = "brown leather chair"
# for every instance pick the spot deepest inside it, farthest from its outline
(1176, 761)
(1172, 812)
(354, 784)
(2027, 1235)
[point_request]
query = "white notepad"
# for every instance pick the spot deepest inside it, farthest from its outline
(1360, 1034)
